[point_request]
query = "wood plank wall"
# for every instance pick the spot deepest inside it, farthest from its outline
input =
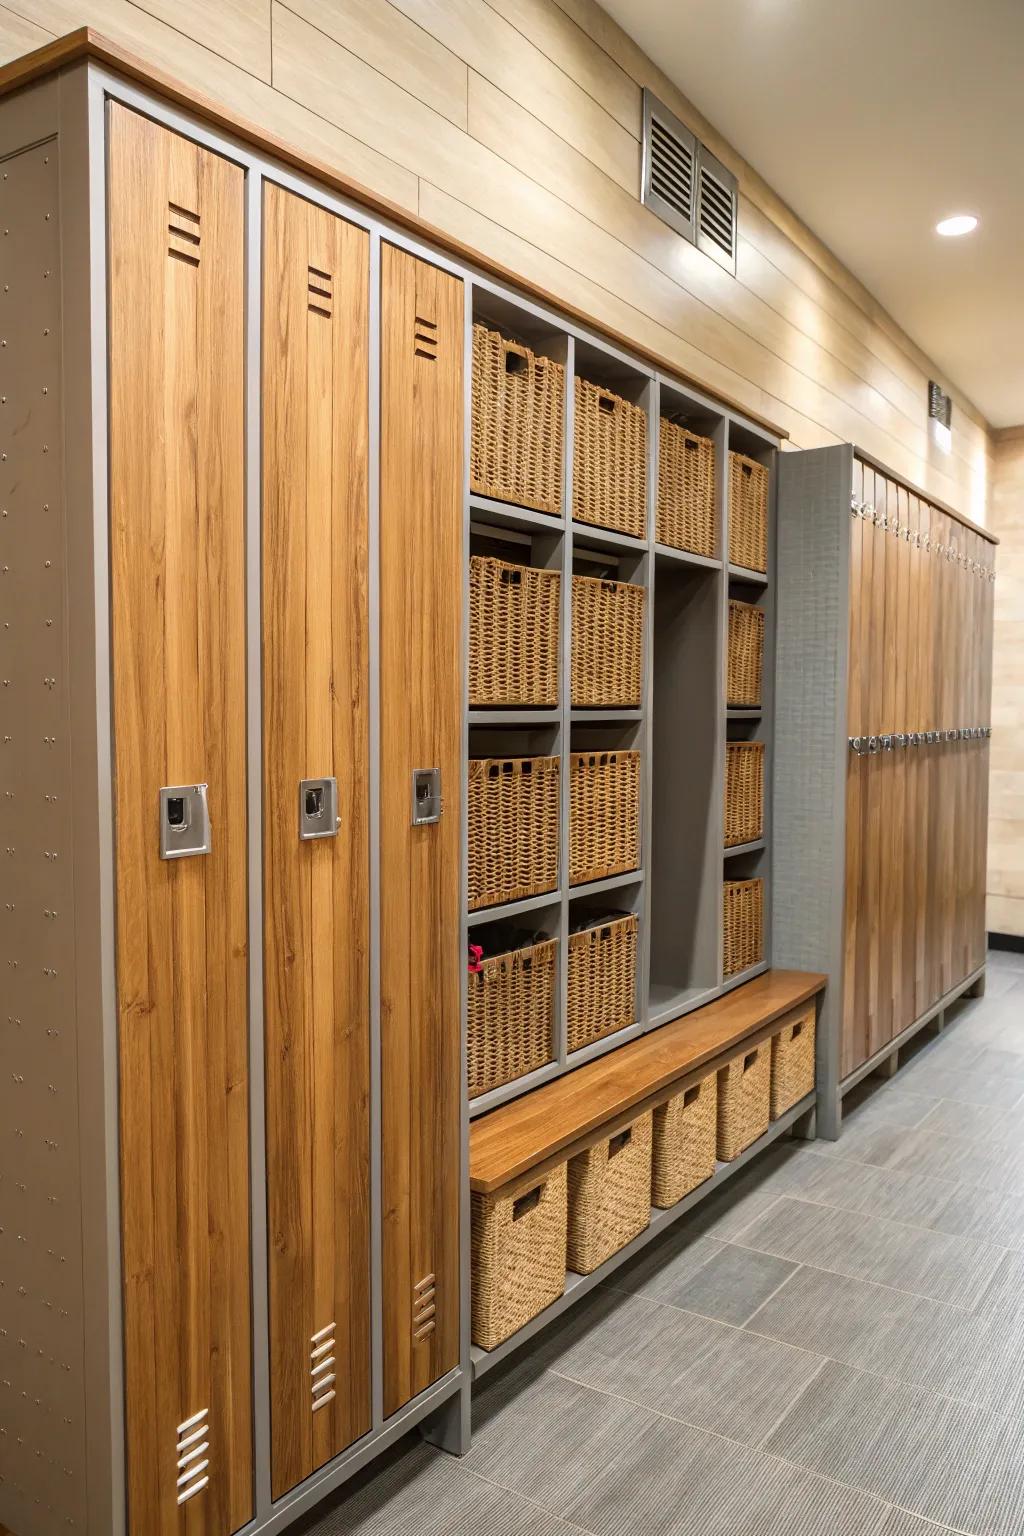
(514, 125)
(1006, 824)
(920, 660)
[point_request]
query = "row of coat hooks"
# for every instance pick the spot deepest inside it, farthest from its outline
(897, 740)
(918, 539)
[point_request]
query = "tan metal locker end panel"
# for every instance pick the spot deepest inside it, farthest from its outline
(316, 893)
(421, 719)
(176, 283)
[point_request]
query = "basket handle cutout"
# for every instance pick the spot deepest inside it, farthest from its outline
(617, 1143)
(691, 1095)
(512, 578)
(516, 357)
(527, 767)
(606, 401)
(604, 933)
(691, 446)
(527, 1203)
(609, 586)
(748, 1060)
(748, 469)
(798, 1029)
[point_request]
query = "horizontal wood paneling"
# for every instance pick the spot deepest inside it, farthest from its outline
(1006, 826)
(546, 179)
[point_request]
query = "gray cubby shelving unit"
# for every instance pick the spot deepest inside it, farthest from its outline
(683, 722)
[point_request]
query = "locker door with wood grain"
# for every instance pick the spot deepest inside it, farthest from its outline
(316, 885)
(176, 291)
(421, 567)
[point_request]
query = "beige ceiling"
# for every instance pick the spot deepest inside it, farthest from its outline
(873, 119)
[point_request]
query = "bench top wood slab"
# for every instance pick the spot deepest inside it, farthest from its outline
(518, 1137)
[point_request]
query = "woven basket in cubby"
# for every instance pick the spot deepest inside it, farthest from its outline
(607, 642)
(742, 925)
(793, 1061)
(748, 513)
(744, 792)
(513, 828)
(745, 657)
(602, 980)
(744, 1091)
(685, 516)
(604, 814)
(609, 1196)
(609, 476)
(513, 633)
(685, 1142)
(517, 441)
(511, 1009)
(518, 1255)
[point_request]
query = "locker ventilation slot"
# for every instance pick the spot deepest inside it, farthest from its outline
(321, 292)
(321, 1365)
(425, 338)
(193, 1461)
(183, 229)
(423, 1307)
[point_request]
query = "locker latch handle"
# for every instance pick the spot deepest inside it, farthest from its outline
(318, 809)
(184, 821)
(426, 796)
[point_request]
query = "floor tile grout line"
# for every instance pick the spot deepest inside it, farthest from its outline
(798, 1265)
(787, 1410)
(491, 1482)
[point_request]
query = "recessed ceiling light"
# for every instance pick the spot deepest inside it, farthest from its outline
(959, 224)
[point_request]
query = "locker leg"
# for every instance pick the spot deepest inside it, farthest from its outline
(828, 1113)
(889, 1067)
(977, 989)
(450, 1428)
(806, 1128)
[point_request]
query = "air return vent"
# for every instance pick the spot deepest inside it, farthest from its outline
(686, 186)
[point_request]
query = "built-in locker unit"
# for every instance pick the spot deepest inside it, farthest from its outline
(881, 802)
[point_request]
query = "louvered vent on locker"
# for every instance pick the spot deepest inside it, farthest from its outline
(716, 210)
(670, 157)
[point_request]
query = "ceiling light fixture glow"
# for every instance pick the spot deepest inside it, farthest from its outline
(959, 224)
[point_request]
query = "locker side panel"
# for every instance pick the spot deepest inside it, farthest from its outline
(316, 902)
(420, 688)
(178, 605)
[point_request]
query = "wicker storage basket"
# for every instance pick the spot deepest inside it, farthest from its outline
(744, 1088)
(609, 1196)
(607, 641)
(518, 1249)
(744, 792)
(742, 924)
(793, 1061)
(685, 1141)
(518, 435)
(513, 633)
(604, 814)
(511, 1015)
(748, 513)
(602, 980)
(686, 490)
(609, 477)
(513, 828)
(746, 654)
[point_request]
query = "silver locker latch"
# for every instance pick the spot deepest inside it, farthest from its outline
(426, 796)
(318, 809)
(184, 821)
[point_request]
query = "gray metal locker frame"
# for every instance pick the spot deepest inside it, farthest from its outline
(64, 112)
(815, 488)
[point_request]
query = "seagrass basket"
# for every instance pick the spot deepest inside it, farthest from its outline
(685, 1141)
(604, 814)
(609, 1196)
(744, 1088)
(513, 633)
(744, 792)
(517, 441)
(607, 642)
(518, 1256)
(793, 1061)
(745, 658)
(742, 924)
(513, 828)
(510, 1009)
(748, 513)
(685, 516)
(609, 477)
(602, 980)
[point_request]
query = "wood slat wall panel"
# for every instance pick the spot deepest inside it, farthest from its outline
(796, 339)
(1006, 838)
(178, 602)
(421, 566)
(316, 894)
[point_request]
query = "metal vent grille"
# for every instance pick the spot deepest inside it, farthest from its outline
(686, 186)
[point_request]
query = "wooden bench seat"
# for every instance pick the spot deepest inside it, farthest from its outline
(567, 1115)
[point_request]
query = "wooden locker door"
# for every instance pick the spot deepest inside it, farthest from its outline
(316, 893)
(422, 410)
(176, 254)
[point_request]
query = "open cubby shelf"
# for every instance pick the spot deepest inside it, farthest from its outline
(681, 724)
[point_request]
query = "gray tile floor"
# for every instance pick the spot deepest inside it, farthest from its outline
(832, 1345)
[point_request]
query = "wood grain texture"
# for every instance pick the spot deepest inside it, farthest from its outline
(518, 1136)
(421, 485)
(316, 894)
(1006, 826)
(178, 598)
